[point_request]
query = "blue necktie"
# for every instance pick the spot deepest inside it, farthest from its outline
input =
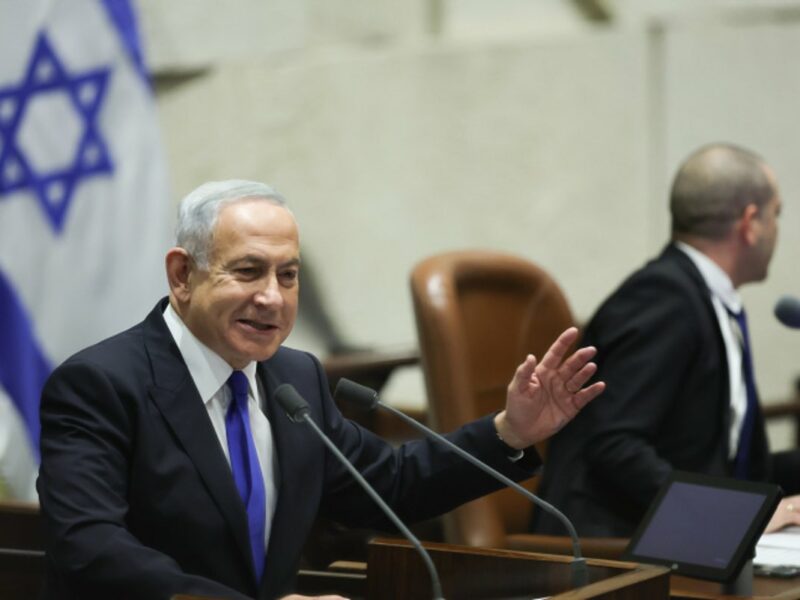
(741, 465)
(245, 466)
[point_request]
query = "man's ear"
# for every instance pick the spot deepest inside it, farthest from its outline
(748, 224)
(179, 270)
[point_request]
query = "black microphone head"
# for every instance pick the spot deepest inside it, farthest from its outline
(787, 310)
(292, 402)
(354, 392)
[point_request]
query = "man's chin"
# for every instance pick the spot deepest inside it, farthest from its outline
(259, 353)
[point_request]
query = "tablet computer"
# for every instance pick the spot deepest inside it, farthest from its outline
(702, 526)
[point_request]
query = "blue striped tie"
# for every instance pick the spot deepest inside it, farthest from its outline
(245, 467)
(741, 465)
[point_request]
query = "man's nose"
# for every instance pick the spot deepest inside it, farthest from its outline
(269, 294)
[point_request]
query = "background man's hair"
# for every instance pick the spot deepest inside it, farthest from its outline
(712, 188)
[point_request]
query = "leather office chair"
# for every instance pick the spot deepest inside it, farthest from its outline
(478, 315)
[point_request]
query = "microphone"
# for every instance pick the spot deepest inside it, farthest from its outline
(368, 399)
(787, 310)
(297, 410)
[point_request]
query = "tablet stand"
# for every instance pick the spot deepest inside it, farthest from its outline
(742, 585)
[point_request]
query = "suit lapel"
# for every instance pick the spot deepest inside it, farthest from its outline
(712, 334)
(175, 395)
(289, 523)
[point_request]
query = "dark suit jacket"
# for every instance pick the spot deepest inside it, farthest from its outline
(666, 405)
(139, 501)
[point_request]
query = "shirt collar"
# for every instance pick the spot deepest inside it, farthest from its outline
(208, 370)
(716, 279)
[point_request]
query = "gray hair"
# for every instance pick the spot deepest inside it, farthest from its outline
(199, 210)
(712, 188)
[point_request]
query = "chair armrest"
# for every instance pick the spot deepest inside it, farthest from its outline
(21, 526)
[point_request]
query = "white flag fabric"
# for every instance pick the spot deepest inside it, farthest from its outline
(84, 203)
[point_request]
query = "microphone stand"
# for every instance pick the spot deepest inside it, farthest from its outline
(369, 397)
(297, 409)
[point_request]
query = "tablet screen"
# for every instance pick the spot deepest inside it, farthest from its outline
(703, 526)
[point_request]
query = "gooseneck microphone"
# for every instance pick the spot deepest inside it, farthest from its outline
(297, 410)
(787, 310)
(368, 399)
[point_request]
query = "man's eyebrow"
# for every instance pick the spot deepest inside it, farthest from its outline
(260, 260)
(294, 262)
(248, 258)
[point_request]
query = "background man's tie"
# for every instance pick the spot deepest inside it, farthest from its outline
(245, 466)
(741, 468)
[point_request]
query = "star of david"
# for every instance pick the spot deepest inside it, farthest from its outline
(78, 96)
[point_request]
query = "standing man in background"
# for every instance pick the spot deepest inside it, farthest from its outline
(674, 350)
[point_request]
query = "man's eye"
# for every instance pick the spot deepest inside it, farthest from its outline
(290, 275)
(247, 271)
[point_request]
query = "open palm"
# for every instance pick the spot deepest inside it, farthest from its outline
(544, 396)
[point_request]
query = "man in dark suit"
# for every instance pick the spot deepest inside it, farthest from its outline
(673, 356)
(168, 466)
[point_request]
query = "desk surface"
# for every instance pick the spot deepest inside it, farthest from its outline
(763, 587)
(681, 588)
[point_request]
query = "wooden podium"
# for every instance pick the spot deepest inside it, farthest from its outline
(396, 571)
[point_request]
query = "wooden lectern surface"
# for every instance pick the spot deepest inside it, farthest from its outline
(396, 571)
(22, 563)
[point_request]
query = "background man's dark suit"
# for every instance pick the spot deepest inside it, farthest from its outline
(666, 404)
(149, 501)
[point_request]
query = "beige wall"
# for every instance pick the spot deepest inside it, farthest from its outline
(391, 145)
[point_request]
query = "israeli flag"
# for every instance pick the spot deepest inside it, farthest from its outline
(84, 202)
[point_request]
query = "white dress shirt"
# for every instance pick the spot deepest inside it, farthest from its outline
(210, 374)
(723, 295)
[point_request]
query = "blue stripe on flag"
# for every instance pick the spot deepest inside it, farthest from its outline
(23, 366)
(123, 17)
